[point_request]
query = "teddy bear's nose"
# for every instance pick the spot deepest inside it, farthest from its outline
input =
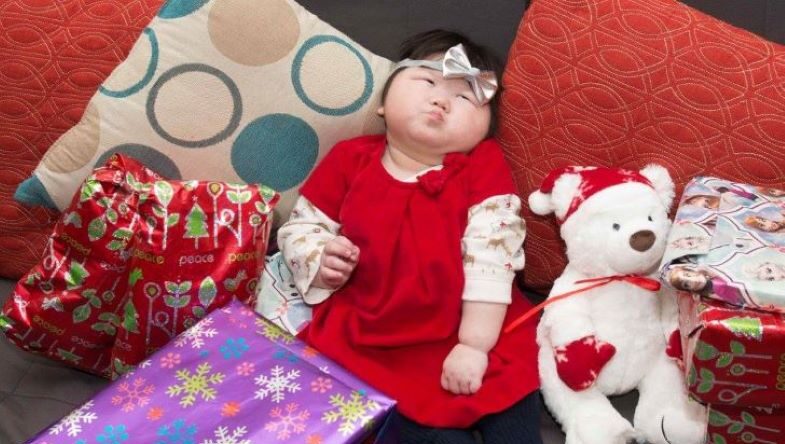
(642, 240)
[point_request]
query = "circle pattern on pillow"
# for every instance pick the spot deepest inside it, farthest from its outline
(238, 29)
(225, 90)
(75, 148)
(277, 150)
(180, 8)
(194, 105)
(338, 90)
(152, 64)
(159, 162)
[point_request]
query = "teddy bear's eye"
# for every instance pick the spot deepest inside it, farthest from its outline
(616, 227)
(650, 219)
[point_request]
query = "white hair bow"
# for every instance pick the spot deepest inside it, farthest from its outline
(455, 64)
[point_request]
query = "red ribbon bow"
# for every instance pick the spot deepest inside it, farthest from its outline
(634, 279)
(433, 181)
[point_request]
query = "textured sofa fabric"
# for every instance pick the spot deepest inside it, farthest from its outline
(53, 56)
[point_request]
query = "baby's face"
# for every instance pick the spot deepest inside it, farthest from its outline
(433, 116)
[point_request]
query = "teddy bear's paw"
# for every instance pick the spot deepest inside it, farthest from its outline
(683, 427)
(605, 427)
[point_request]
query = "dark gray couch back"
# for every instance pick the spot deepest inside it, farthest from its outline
(380, 25)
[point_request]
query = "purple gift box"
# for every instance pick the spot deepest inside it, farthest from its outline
(233, 378)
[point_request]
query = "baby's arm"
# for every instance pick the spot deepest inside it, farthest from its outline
(320, 259)
(491, 254)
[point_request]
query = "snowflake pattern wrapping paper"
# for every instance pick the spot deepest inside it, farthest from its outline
(233, 378)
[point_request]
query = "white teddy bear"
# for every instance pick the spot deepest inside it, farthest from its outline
(613, 337)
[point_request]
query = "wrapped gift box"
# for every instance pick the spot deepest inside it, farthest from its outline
(728, 244)
(733, 356)
(231, 378)
(277, 298)
(731, 425)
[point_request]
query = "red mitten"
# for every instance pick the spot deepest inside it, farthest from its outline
(673, 349)
(579, 362)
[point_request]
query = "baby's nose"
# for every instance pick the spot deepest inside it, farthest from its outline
(440, 102)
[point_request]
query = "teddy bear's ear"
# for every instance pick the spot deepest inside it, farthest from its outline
(558, 201)
(663, 184)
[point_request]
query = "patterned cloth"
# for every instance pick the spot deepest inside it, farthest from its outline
(233, 378)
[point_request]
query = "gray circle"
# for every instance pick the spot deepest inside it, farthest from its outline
(237, 110)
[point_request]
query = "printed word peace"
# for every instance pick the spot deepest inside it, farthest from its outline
(47, 326)
(149, 257)
(242, 257)
(196, 259)
(74, 244)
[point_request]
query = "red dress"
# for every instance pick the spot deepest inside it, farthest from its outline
(396, 319)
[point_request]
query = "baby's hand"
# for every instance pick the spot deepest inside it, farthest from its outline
(339, 258)
(464, 369)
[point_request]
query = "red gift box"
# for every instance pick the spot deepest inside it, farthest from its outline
(200, 245)
(733, 356)
(135, 261)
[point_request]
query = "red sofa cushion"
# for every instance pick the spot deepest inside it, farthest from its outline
(630, 82)
(53, 56)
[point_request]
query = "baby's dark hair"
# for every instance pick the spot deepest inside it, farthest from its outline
(428, 43)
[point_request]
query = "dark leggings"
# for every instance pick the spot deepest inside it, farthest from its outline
(519, 424)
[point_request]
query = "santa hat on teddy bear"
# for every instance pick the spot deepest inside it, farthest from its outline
(566, 189)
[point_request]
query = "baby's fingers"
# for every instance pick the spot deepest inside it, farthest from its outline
(338, 264)
(333, 278)
(343, 247)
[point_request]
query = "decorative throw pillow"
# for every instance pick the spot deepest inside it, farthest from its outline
(628, 82)
(277, 298)
(53, 58)
(246, 91)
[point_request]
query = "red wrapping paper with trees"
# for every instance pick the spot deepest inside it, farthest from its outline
(134, 261)
(733, 356)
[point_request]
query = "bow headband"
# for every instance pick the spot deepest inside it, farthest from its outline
(456, 65)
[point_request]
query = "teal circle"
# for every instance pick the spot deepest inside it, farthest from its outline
(33, 192)
(297, 65)
(148, 75)
(180, 8)
(237, 108)
(149, 157)
(278, 150)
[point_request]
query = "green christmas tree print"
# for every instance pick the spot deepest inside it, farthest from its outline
(196, 224)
